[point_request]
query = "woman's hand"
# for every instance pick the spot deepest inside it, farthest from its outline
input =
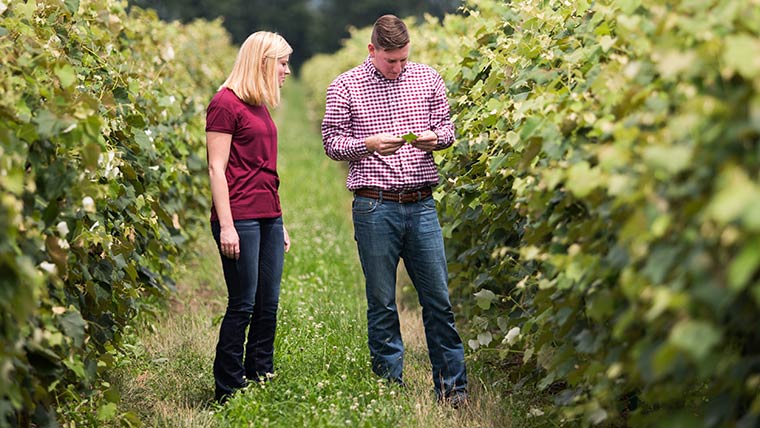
(287, 238)
(230, 242)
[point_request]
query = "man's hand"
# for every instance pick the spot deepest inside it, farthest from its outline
(427, 142)
(383, 144)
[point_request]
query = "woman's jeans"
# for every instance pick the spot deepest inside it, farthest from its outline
(253, 288)
(386, 231)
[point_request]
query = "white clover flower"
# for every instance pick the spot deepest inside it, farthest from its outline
(512, 335)
(167, 53)
(48, 267)
(88, 204)
(63, 228)
(64, 244)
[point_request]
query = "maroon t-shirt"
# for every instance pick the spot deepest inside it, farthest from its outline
(252, 167)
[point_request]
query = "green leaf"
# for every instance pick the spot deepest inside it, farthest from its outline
(696, 338)
(601, 305)
(628, 6)
(664, 360)
(121, 95)
(75, 364)
(72, 6)
(410, 137)
(744, 265)
(736, 55)
(73, 325)
(606, 42)
(66, 75)
(25, 10)
(142, 140)
(735, 194)
(502, 323)
(671, 64)
(485, 338)
(582, 179)
(13, 181)
(136, 121)
(672, 159)
(46, 123)
(529, 127)
(107, 412)
(90, 155)
(484, 298)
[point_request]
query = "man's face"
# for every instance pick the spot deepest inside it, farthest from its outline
(389, 62)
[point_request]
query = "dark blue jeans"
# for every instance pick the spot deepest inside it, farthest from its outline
(253, 288)
(386, 231)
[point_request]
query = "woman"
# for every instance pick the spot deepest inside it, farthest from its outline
(246, 219)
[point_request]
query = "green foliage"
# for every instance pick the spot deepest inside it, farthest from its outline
(102, 177)
(604, 188)
(600, 205)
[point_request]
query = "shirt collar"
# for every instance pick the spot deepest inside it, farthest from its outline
(371, 70)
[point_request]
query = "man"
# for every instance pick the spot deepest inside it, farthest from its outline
(368, 109)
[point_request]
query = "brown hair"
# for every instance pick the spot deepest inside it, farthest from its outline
(389, 33)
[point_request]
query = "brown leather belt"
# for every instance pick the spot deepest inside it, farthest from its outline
(401, 197)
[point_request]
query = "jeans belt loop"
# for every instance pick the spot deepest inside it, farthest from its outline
(380, 196)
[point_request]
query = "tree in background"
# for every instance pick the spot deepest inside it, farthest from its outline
(310, 26)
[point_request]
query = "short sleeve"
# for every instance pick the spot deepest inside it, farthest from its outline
(219, 117)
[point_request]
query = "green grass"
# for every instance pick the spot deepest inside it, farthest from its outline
(323, 376)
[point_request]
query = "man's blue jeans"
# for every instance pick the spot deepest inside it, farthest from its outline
(253, 288)
(386, 231)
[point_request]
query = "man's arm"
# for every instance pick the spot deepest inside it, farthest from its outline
(440, 118)
(337, 135)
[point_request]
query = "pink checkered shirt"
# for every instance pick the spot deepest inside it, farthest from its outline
(361, 103)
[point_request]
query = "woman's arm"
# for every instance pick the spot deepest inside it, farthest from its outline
(218, 146)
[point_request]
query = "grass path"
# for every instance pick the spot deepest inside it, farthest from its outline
(323, 378)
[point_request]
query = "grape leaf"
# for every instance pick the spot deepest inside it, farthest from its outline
(410, 137)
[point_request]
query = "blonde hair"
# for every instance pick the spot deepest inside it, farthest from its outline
(254, 77)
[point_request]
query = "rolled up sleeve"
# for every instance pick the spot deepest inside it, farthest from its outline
(440, 115)
(337, 136)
